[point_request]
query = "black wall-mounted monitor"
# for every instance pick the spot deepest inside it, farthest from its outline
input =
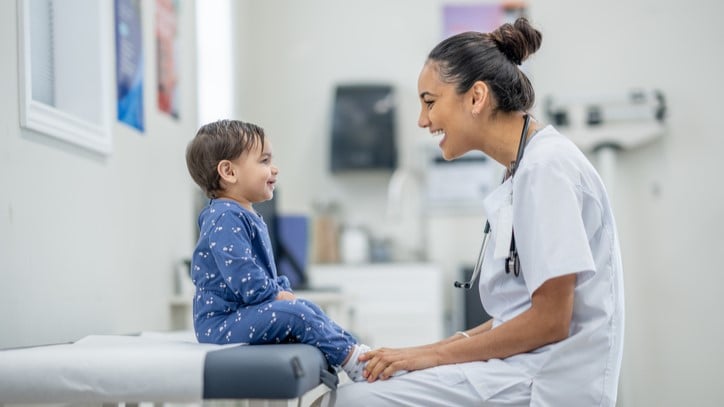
(363, 128)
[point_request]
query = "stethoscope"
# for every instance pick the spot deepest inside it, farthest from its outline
(512, 262)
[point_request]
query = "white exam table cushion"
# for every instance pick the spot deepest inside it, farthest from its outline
(157, 367)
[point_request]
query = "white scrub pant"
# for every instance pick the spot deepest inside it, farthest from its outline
(442, 386)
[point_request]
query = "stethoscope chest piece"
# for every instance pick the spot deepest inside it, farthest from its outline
(512, 264)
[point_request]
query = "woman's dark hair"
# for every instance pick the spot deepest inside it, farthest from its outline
(492, 58)
(217, 141)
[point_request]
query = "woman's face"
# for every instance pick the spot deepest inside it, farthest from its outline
(445, 112)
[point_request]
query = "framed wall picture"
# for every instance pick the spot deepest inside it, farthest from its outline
(64, 70)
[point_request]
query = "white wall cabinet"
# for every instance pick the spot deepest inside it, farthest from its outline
(392, 304)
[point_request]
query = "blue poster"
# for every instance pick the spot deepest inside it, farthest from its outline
(129, 63)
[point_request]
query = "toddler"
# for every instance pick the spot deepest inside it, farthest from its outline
(239, 296)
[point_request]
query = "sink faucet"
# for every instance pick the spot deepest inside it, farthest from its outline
(405, 215)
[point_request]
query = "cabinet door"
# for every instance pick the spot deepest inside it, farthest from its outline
(393, 305)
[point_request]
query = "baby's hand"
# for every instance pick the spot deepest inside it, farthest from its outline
(286, 296)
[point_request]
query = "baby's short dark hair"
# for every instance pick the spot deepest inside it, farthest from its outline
(217, 141)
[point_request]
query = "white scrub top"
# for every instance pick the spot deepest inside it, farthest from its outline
(563, 224)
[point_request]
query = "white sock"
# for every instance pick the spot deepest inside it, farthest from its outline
(354, 368)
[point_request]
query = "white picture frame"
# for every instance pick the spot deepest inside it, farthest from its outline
(65, 73)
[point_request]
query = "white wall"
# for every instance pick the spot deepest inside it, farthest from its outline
(668, 195)
(88, 243)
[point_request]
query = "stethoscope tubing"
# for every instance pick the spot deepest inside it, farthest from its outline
(513, 251)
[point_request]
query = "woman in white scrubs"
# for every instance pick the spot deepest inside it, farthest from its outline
(556, 335)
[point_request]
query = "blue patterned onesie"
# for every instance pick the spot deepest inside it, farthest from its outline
(237, 283)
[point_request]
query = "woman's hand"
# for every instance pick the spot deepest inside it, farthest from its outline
(286, 296)
(384, 362)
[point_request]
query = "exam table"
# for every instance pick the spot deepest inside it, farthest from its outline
(159, 367)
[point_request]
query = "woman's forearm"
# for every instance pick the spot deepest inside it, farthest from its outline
(519, 335)
(484, 327)
(547, 321)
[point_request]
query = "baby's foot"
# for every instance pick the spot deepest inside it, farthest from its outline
(354, 368)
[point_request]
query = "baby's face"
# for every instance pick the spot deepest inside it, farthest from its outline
(257, 174)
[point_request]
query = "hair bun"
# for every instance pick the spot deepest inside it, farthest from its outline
(517, 41)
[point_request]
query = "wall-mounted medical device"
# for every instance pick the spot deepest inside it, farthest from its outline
(605, 124)
(619, 120)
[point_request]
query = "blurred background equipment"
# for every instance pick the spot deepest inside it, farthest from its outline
(605, 124)
(363, 128)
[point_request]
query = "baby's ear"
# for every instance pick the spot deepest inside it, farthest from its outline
(226, 171)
